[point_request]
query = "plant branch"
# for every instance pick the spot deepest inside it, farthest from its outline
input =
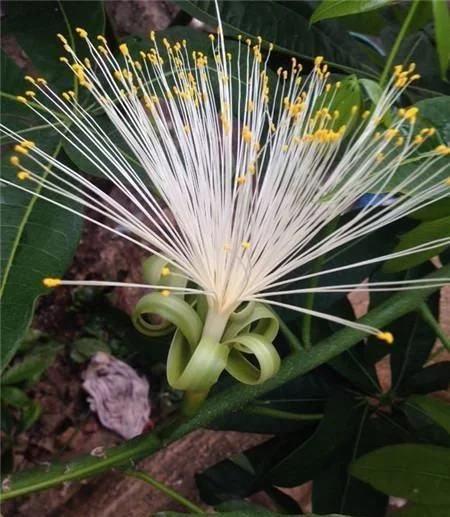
(233, 399)
(398, 41)
(428, 317)
(143, 476)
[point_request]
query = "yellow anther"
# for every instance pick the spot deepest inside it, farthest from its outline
(211, 37)
(30, 93)
(338, 85)
(14, 160)
(400, 141)
(365, 114)
(187, 129)
(66, 96)
(247, 135)
(245, 245)
(81, 32)
(102, 39)
(318, 60)
(443, 149)
(250, 106)
(379, 157)
(20, 149)
(284, 148)
(87, 62)
(62, 38)
(152, 35)
(21, 99)
(165, 271)
(386, 336)
(30, 79)
(251, 169)
(22, 175)
(418, 139)
(64, 60)
(240, 180)
(165, 292)
(411, 113)
(328, 88)
(123, 47)
(354, 109)
(102, 50)
(390, 134)
(41, 80)
(447, 182)
(51, 282)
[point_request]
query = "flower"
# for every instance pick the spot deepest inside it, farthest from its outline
(252, 169)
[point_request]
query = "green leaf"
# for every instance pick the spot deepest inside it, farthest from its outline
(14, 397)
(432, 378)
(413, 342)
(421, 234)
(437, 112)
(438, 410)
(316, 452)
(30, 367)
(38, 239)
(35, 25)
(436, 210)
(84, 348)
(30, 415)
(335, 8)
(419, 473)
(442, 30)
(283, 26)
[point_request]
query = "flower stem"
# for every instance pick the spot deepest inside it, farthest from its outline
(428, 317)
(192, 402)
(396, 46)
(213, 329)
(138, 474)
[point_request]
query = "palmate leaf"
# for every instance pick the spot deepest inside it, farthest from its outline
(419, 473)
(38, 238)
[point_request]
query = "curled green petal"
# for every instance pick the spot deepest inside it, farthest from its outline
(263, 351)
(174, 310)
(157, 271)
(266, 323)
(197, 370)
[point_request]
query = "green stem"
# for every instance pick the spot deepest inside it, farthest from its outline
(285, 415)
(192, 401)
(138, 474)
(213, 328)
(233, 399)
(396, 46)
(428, 317)
(291, 338)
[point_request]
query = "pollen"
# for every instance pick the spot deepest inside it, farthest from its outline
(165, 271)
(165, 293)
(124, 49)
(443, 149)
(241, 180)
(386, 336)
(81, 32)
(14, 160)
(22, 175)
(245, 245)
(247, 135)
(20, 149)
(51, 282)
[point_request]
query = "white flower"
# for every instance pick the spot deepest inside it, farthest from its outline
(251, 171)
